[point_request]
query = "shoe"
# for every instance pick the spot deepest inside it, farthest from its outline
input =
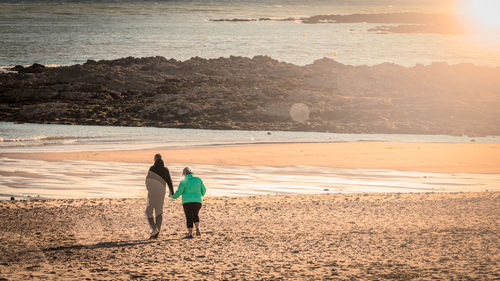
(198, 233)
(154, 234)
(189, 236)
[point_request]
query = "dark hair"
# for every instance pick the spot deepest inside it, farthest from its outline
(157, 156)
(159, 162)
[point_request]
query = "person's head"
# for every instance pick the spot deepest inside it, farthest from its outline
(158, 160)
(187, 171)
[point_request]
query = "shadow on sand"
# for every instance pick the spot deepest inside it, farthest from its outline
(111, 244)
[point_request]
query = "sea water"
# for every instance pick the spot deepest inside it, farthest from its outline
(29, 137)
(36, 179)
(67, 32)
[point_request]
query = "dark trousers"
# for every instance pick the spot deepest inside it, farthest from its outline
(191, 211)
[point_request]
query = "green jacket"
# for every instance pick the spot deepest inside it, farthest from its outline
(191, 188)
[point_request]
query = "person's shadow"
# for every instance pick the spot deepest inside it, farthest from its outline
(111, 244)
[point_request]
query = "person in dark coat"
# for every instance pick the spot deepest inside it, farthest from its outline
(156, 180)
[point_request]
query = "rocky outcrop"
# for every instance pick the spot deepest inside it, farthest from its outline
(35, 68)
(409, 22)
(259, 94)
(403, 18)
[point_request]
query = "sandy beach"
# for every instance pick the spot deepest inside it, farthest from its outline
(336, 140)
(335, 236)
(424, 157)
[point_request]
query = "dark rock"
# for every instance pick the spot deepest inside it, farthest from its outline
(12, 198)
(406, 18)
(234, 20)
(18, 68)
(35, 68)
(90, 62)
(47, 94)
(43, 111)
(409, 22)
(257, 94)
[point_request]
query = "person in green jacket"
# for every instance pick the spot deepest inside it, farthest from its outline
(192, 190)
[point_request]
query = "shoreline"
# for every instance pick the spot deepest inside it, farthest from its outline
(421, 157)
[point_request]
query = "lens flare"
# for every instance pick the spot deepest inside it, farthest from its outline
(299, 112)
(481, 18)
(481, 14)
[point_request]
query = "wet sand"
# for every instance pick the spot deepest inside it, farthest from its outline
(28, 179)
(331, 236)
(422, 157)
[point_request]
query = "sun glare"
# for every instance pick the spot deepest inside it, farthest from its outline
(483, 15)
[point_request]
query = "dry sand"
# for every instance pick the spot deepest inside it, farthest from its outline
(344, 236)
(423, 157)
